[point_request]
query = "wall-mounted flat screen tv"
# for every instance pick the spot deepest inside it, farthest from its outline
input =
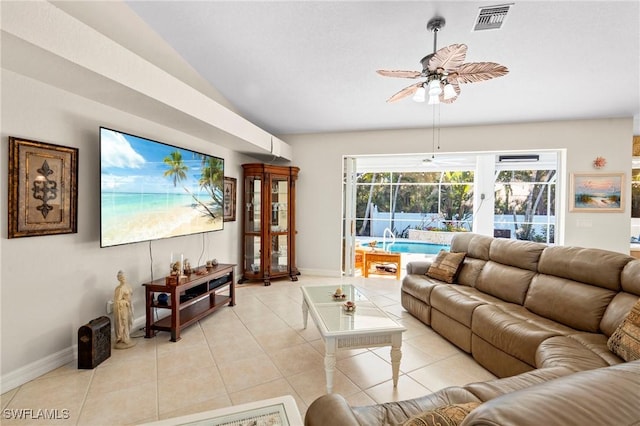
(151, 190)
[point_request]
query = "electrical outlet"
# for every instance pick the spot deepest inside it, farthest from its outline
(109, 306)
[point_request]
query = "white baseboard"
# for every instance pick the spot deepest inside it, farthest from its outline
(320, 272)
(37, 368)
(49, 363)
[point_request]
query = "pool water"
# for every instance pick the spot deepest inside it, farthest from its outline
(414, 247)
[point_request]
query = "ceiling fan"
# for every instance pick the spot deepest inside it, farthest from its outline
(444, 71)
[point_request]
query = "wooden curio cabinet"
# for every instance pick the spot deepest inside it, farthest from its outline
(268, 223)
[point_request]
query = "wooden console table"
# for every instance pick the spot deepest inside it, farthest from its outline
(381, 257)
(198, 295)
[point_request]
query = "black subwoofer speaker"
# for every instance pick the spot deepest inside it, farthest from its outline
(94, 343)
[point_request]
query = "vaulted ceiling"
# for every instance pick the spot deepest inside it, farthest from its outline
(309, 66)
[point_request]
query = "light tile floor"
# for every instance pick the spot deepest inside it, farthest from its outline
(255, 350)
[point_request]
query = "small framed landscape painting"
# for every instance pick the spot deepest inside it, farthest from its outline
(596, 192)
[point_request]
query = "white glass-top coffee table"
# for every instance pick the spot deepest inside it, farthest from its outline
(366, 327)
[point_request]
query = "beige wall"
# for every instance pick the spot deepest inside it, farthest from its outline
(319, 157)
(51, 285)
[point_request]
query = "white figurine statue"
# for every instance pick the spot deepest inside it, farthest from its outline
(123, 313)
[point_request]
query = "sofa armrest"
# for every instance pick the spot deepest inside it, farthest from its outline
(330, 409)
(419, 267)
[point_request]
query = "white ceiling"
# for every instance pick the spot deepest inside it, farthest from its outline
(309, 66)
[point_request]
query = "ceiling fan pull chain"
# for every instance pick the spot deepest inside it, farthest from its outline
(438, 105)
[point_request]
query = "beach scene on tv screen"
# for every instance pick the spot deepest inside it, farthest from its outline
(150, 190)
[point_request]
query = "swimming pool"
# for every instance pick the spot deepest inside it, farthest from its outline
(414, 247)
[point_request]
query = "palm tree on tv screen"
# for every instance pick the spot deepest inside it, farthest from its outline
(178, 172)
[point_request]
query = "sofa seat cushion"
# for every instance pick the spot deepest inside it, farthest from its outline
(420, 286)
(458, 302)
(514, 330)
(578, 351)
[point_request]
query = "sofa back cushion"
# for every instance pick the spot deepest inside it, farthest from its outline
(470, 270)
(511, 266)
(574, 304)
(504, 282)
(597, 267)
(616, 311)
(521, 254)
(475, 245)
(630, 278)
(625, 341)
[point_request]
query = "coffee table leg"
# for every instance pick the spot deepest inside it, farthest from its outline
(305, 313)
(396, 355)
(330, 362)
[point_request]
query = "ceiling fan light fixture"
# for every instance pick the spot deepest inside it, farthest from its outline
(449, 91)
(434, 99)
(420, 95)
(434, 87)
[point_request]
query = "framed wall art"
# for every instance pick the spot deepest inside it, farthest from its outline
(596, 192)
(43, 188)
(229, 199)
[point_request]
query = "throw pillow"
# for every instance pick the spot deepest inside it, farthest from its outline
(446, 265)
(448, 415)
(625, 341)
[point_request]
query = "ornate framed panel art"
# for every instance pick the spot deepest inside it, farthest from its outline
(596, 192)
(43, 188)
(229, 199)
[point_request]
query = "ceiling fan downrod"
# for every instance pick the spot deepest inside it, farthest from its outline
(434, 25)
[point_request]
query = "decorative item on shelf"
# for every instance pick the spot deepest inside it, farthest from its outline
(174, 276)
(599, 162)
(349, 306)
(187, 267)
(211, 264)
(163, 299)
(373, 245)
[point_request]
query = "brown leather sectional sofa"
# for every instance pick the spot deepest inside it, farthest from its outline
(536, 316)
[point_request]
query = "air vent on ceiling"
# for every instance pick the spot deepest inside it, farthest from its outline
(491, 17)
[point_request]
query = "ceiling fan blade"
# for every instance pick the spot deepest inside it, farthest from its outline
(448, 58)
(474, 72)
(399, 73)
(407, 91)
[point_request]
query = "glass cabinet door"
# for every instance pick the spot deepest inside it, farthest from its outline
(279, 204)
(279, 253)
(278, 263)
(253, 188)
(252, 253)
